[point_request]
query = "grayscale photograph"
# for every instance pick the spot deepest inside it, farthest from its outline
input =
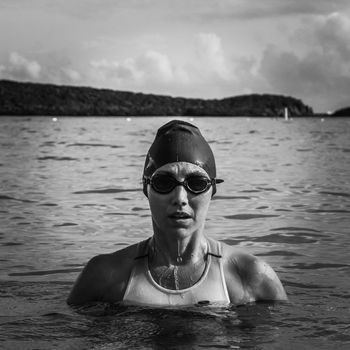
(174, 174)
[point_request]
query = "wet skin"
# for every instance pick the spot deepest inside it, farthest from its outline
(178, 223)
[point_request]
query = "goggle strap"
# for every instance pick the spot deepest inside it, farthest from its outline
(147, 181)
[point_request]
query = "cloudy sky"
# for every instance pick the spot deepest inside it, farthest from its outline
(191, 48)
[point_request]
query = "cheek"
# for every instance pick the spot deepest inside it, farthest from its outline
(201, 205)
(157, 203)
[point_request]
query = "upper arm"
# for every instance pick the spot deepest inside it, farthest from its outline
(89, 284)
(262, 281)
(249, 278)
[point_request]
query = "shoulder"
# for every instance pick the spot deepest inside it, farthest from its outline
(259, 280)
(104, 277)
(103, 265)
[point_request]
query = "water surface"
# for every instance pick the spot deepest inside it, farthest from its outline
(71, 189)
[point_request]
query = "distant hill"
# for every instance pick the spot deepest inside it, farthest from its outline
(53, 100)
(344, 112)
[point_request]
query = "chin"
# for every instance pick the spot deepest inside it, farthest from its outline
(181, 232)
(178, 230)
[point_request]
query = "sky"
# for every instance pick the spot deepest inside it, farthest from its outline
(189, 48)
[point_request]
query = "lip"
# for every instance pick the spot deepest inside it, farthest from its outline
(180, 215)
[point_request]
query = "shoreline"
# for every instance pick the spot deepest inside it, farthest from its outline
(53, 100)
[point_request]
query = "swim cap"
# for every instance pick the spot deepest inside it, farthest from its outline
(179, 141)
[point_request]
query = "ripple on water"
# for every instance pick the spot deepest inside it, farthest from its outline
(269, 189)
(316, 266)
(297, 235)
(327, 211)
(65, 224)
(230, 197)
(48, 143)
(305, 285)
(10, 244)
(138, 209)
(293, 228)
(81, 144)
(45, 272)
(289, 238)
(286, 238)
(338, 194)
(278, 253)
(58, 158)
(108, 190)
(120, 214)
(5, 197)
(249, 191)
(304, 149)
(249, 216)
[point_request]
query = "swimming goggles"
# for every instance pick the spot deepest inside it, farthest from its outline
(195, 184)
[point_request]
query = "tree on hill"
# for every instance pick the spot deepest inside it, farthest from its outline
(47, 99)
(343, 112)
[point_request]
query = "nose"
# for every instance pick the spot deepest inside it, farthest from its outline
(180, 196)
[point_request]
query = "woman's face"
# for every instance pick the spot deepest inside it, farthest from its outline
(179, 213)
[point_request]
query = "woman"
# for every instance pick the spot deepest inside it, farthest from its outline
(179, 264)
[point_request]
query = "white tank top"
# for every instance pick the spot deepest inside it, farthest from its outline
(142, 289)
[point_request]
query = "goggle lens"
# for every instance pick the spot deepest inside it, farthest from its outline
(166, 183)
(163, 184)
(198, 184)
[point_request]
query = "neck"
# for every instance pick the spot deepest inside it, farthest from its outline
(177, 251)
(178, 264)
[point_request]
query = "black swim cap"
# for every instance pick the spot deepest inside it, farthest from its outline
(179, 141)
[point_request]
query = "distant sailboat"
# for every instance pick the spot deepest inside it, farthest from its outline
(286, 116)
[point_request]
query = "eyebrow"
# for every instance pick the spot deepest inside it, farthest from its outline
(194, 173)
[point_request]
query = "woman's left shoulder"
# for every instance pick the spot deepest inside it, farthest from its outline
(235, 255)
(256, 274)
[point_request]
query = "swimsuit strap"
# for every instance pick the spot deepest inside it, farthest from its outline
(214, 248)
(215, 255)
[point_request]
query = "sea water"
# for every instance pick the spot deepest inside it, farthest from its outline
(70, 188)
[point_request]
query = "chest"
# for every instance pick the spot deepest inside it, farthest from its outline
(143, 289)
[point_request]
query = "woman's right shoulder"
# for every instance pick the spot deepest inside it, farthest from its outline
(122, 258)
(105, 274)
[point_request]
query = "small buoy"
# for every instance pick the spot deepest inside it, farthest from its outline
(191, 119)
(54, 119)
(128, 119)
(322, 120)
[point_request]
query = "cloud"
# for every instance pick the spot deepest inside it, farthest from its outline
(71, 75)
(206, 69)
(152, 71)
(20, 68)
(104, 70)
(156, 66)
(314, 66)
(332, 32)
(211, 56)
(82, 9)
(252, 9)
(319, 74)
(195, 9)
